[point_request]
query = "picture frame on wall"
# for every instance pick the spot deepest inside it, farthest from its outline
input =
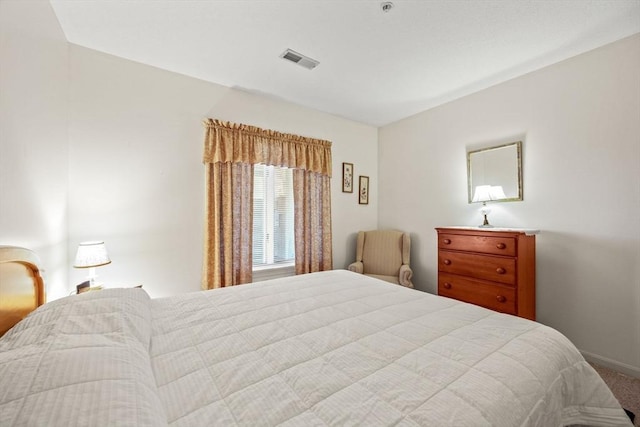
(363, 191)
(347, 177)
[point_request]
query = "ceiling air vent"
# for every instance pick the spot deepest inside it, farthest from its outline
(299, 59)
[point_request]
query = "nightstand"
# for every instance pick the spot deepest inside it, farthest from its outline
(84, 287)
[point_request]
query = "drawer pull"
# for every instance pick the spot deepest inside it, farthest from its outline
(447, 262)
(447, 241)
(500, 270)
(447, 285)
(501, 298)
(501, 246)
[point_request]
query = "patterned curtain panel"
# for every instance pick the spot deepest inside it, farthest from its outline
(230, 151)
(312, 207)
(228, 225)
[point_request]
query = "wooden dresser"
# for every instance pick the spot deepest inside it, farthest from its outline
(491, 267)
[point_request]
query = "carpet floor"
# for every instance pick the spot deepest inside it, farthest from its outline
(624, 387)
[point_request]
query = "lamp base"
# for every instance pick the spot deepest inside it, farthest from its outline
(485, 224)
(91, 278)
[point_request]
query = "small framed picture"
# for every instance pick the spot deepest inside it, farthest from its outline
(364, 190)
(347, 177)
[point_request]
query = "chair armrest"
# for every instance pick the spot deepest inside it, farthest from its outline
(357, 267)
(405, 276)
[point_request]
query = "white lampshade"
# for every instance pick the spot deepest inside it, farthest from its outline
(482, 193)
(486, 193)
(91, 254)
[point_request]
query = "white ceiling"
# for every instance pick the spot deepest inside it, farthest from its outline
(375, 67)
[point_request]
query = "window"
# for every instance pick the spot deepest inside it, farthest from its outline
(273, 239)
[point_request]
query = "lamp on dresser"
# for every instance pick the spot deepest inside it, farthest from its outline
(91, 255)
(484, 194)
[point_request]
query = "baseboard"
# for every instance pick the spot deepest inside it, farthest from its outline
(633, 371)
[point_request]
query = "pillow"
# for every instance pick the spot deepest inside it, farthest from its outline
(81, 360)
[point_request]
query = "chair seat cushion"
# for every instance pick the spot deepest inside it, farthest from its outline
(391, 279)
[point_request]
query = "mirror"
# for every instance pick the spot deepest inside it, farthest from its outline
(496, 166)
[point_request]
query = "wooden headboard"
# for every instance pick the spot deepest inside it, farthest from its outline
(21, 285)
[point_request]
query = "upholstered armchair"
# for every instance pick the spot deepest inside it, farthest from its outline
(384, 254)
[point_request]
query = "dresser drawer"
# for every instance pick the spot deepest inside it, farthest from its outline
(485, 244)
(488, 295)
(487, 267)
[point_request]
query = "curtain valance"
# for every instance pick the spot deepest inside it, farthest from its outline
(227, 142)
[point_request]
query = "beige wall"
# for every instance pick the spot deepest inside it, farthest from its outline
(579, 121)
(135, 174)
(33, 136)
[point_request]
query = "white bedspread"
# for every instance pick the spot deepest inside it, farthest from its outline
(325, 349)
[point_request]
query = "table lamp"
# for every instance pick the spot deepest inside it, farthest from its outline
(91, 255)
(484, 194)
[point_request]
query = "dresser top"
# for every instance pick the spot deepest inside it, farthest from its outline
(527, 231)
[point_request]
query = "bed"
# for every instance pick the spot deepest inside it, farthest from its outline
(324, 349)
(21, 285)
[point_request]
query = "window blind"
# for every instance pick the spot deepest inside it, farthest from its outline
(273, 238)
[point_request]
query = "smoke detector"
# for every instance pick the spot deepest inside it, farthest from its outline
(386, 6)
(300, 59)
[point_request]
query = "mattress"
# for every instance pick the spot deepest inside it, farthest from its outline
(323, 349)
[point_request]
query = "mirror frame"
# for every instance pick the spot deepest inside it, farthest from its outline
(518, 145)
